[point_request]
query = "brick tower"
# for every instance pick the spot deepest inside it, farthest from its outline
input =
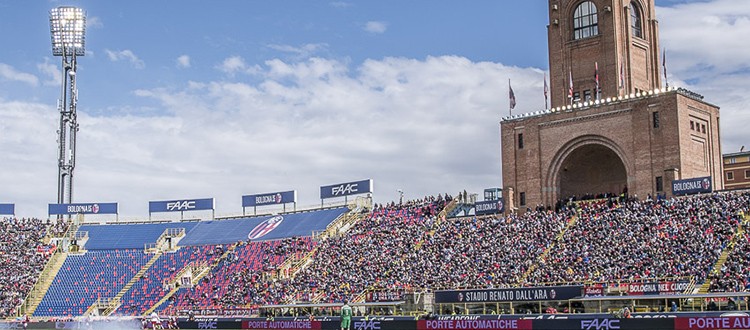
(632, 132)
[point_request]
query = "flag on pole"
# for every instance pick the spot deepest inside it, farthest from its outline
(622, 74)
(511, 96)
(596, 78)
(570, 89)
(664, 64)
(546, 91)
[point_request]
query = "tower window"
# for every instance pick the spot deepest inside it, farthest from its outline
(520, 140)
(587, 95)
(659, 184)
(585, 21)
(656, 119)
(635, 20)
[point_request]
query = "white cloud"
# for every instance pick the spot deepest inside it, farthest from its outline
(94, 22)
(706, 54)
(424, 126)
(51, 71)
(9, 73)
(376, 27)
(301, 52)
(183, 61)
(126, 55)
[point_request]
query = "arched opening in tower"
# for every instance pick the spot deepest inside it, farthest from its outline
(591, 170)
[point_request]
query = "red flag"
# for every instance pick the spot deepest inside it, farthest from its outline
(622, 74)
(570, 89)
(596, 77)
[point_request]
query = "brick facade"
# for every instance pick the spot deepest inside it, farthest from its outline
(737, 170)
(637, 135)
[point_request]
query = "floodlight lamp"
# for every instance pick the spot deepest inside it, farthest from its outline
(68, 29)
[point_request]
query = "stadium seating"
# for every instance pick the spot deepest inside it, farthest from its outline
(23, 255)
(234, 230)
(734, 275)
(408, 246)
(85, 278)
(150, 288)
(127, 236)
(643, 239)
(238, 280)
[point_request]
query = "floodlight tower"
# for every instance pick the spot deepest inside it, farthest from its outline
(67, 26)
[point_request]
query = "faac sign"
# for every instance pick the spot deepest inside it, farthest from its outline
(181, 205)
(346, 189)
(600, 324)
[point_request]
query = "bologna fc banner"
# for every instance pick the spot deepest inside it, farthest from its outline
(346, 189)
(8, 209)
(692, 186)
(489, 207)
(269, 198)
(83, 208)
(180, 205)
(507, 295)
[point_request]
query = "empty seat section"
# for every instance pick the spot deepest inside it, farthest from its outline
(127, 236)
(85, 278)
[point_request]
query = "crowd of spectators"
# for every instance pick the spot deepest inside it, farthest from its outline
(244, 277)
(403, 246)
(734, 275)
(408, 245)
(22, 258)
(613, 240)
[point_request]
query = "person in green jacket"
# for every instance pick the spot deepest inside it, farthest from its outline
(346, 316)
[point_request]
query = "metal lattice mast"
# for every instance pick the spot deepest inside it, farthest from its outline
(67, 27)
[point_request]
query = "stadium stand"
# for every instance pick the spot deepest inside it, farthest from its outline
(377, 252)
(85, 278)
(234, 230)
(114, 254)
(734, 275)
(127, 236)
(242, 277)
(409, 246)
(23, 255)
(150, 288)
(611, 241)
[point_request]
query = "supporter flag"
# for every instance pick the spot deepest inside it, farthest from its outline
(596, 78)
(511, 96)
(546, 91)
(570, 89)
(622, 74)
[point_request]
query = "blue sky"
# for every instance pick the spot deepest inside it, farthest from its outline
(182, 99)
